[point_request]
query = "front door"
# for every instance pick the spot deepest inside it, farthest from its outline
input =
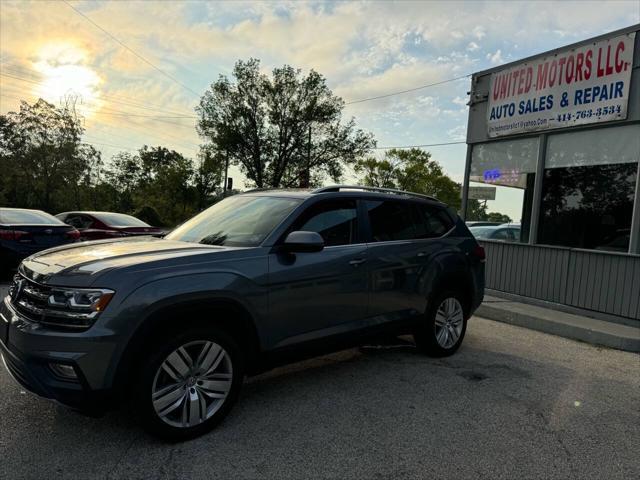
(313, 295)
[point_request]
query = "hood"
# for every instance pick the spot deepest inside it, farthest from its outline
(90, 258)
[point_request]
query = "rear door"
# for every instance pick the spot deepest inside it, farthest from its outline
(404, 238)
(313, 295)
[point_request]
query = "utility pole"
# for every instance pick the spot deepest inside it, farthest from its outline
(307, 177)
(226, 172)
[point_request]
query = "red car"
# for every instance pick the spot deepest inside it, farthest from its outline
(100, 225)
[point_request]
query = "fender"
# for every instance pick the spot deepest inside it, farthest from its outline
(140, 309)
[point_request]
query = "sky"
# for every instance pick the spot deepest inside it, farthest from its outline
(363, 48)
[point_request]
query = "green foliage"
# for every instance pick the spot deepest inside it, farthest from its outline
(45, 165)
(498, 217)
(414, 170)
(283, 131)
(411, 170)
(42, 160)
(165, 181)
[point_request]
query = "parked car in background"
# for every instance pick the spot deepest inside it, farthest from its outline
(258, 279)
(23, 232)
(480, 223)
(509, 232)
(101, 225)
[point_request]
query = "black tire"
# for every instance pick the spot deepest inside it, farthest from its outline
(425, 334)
(143, 384)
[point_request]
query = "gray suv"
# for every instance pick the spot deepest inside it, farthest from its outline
(173, 325)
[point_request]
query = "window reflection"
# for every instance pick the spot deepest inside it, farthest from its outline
(588, 206)
(588, 188)
(502, 179)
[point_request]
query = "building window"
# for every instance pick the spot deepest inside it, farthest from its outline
(501, 183)
(588, 188)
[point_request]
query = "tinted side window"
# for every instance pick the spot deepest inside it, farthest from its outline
(79, 221)
(391, 220)
(432, 221)
(335, 221)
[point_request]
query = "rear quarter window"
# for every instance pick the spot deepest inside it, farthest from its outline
(432, 221)
(391, 220)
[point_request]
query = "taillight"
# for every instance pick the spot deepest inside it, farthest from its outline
(479, 253)
(13, 235)
(73, 234)
(6, 234)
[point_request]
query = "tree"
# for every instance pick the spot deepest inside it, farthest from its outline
(411, 170)
(498, 217)
(210, 168)
(156, 177)
(283, 131)
(44, 164)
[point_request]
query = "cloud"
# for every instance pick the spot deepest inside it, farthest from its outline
(495, 58)
(458, 133)
(460, 101)
(473, 46)
(364, 49)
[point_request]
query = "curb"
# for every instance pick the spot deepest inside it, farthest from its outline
(585, 329)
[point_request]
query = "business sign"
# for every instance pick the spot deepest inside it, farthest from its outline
(588, 84)
(482, 193)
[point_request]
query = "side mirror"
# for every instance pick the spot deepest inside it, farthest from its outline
(303, 242)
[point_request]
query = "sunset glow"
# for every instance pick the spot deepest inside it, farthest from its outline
(65, 74)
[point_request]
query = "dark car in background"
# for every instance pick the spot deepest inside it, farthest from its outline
(102, 225)
(24, 232)
(172, 325)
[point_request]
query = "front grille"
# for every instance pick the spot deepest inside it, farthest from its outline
(31, 299)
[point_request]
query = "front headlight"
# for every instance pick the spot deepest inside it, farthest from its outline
(58, 306)
(80, 299)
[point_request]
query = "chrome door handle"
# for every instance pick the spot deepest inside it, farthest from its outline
(422, 254)
(357, 261)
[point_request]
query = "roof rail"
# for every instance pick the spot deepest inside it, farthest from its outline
(337, 188)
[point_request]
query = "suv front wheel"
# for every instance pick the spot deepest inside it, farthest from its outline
(189, 383)
(444, 325)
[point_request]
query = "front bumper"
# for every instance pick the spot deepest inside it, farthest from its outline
(29, 350)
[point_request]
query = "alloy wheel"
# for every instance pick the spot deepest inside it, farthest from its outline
(192, 383)
(449, 322)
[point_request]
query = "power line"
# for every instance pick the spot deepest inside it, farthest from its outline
(407, 91)
(176, 142)
(159, 118)
(169, 76)
(16, 71)
(421, 146)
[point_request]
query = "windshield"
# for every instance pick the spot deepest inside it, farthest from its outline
(242, 221)
(27, 217)
(120, 220)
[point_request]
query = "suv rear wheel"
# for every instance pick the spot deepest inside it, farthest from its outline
(444, 327)
(189, 383)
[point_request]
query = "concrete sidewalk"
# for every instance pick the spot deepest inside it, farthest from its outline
(577, 327)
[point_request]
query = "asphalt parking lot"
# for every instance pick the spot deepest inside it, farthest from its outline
(513, 403)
